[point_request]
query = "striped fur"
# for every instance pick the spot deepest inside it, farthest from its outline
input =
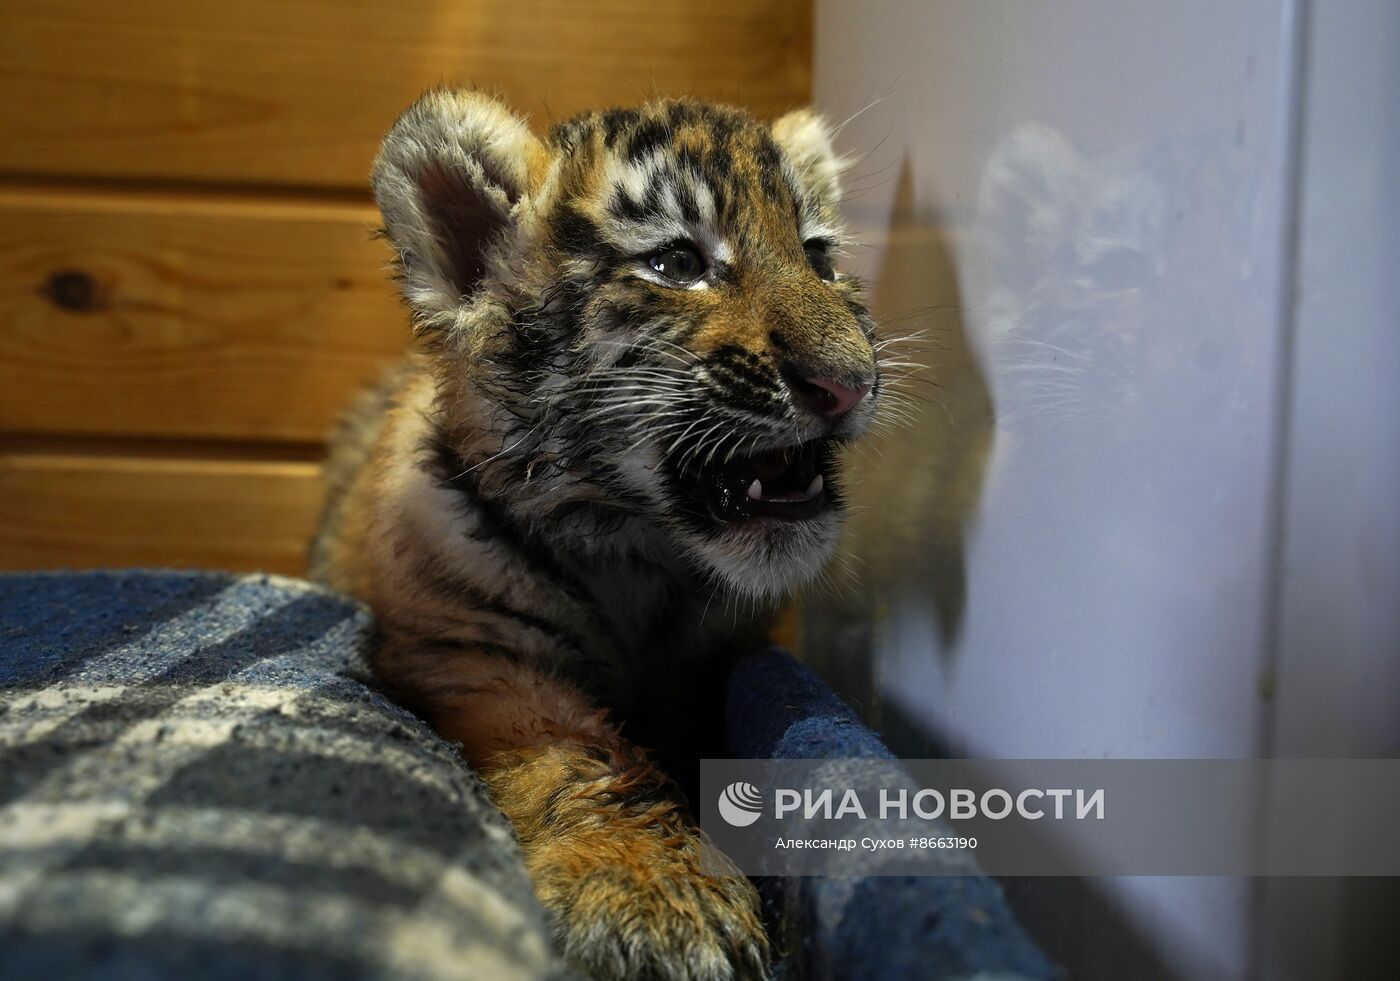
(547, 508)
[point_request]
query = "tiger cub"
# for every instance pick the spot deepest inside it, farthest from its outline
(611, 458)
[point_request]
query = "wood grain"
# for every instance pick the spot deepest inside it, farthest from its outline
(189, 294)
(151, 315)
(59, 510)
(299, 93)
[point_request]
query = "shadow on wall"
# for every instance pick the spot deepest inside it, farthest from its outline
(916, 480)
(921, 476)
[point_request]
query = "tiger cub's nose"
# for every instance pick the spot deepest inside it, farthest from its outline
(824, 396)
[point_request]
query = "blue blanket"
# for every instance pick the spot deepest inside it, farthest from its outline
(194, 782)
(869, 928)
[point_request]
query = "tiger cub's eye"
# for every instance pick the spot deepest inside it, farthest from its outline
(680, 263)
(819, 259)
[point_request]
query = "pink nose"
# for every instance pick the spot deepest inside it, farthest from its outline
(825, 397)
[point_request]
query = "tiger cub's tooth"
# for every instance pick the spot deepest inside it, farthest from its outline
(815, 487)
(756, 490)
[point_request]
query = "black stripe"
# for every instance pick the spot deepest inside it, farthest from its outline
(595, 676)
(494, 522)
(449, 583)
(615, 122)
(461, 646)
(646, 137)
(576, 234)
(624, 207)
(717, 166)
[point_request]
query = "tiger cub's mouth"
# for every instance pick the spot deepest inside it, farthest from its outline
(788, 484)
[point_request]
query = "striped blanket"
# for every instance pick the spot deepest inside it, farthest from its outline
(195, 783)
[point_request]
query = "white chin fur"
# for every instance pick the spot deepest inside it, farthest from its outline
(766, 559)
(769, 558)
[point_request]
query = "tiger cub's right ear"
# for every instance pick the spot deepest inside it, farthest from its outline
(448, 180)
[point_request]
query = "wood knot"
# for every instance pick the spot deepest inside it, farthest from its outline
(73, 289)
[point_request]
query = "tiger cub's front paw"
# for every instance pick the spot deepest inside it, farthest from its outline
(644, 909)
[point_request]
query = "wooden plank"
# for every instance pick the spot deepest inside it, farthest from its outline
(81, 511)
(299, 93)
(151, 315)
(91, 511)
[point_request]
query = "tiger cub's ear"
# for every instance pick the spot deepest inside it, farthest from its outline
(805, 138)
(448, 180)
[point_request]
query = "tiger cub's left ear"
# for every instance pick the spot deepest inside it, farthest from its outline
(449, 180)
(805, 139)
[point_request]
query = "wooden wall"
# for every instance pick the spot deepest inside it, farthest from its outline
(189, 293)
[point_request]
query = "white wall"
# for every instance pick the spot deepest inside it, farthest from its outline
(1090, 206)
(1338, 647)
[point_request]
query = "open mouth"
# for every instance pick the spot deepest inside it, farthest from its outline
(787, 484)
